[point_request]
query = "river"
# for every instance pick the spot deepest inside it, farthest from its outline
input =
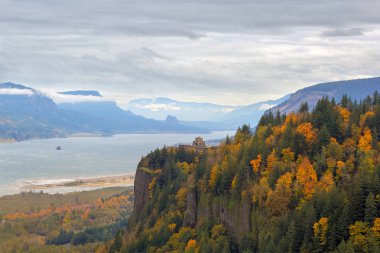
(80, 157)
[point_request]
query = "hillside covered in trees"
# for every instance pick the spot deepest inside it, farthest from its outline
(302, 182)
(76, 222)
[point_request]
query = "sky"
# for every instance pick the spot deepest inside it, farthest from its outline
(229, 52)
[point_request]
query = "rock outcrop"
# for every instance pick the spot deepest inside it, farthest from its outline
(142, 180)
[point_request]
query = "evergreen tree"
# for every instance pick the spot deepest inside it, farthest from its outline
(228, 140)
(370, 208)
(323, 138)
(344, 247)
(271, 247)
(343, 223)
(304, 107)
(246, 130)
(287, 139)
(344, 102)
(290, 237)
(117, 243)
(357, 203)
(309, 220)
(324, 114)
(376, 98)
(375, 140)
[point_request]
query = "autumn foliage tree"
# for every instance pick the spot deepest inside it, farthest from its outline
(365, 140)
(255, 163)
(306, 177)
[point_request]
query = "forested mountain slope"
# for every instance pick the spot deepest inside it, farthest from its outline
(304, 182)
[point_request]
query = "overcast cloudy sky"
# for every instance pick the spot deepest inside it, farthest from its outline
(223, 51)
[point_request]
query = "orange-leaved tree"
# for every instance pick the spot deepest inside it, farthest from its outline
(306, 177)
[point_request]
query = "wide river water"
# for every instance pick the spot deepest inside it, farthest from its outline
(80, 157)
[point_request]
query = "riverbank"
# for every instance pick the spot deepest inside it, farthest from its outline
(79, 184)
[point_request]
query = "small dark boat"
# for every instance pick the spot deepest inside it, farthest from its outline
(58, 148)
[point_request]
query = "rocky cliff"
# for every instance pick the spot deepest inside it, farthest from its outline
(200, 207)
(141, 184)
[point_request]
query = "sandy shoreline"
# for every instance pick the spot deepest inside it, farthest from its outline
(67, 185)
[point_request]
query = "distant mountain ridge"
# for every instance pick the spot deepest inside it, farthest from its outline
(26, 113)
(356, 89)
(251, 114)
(34, 115)
(9, 85)
(205, 115)
(222, 117)
(159, 108)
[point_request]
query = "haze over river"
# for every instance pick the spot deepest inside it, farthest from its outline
(38, 161)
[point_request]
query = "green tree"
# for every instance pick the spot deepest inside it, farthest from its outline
(324, 136)
(117, 243)
(370, 208)
(304, 107)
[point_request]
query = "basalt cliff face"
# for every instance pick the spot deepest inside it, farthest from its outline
(182, 193)
(141, 184)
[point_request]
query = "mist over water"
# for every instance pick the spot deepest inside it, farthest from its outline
(80, 157)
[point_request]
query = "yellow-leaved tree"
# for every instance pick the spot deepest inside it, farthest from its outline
(307, 177)
(234, 182)
(271, 160)
(151, 186)
(213, 176)
(376, 229)
(359, 235)
(287, 155)
(260, 191)
(365, 140)
(327, 182)
(279, 199)
(255, 163)
(190, 247)
(320, 230)
(306, 129)
(181, 198)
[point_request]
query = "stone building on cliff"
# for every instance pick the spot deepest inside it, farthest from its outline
(198, 145)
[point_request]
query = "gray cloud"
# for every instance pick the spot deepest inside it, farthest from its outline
(226, 51)
(343, 32)
(181, 17)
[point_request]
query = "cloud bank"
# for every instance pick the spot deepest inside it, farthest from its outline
(65, 98)
(11, 91)
(221, 51)
(165, 107)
